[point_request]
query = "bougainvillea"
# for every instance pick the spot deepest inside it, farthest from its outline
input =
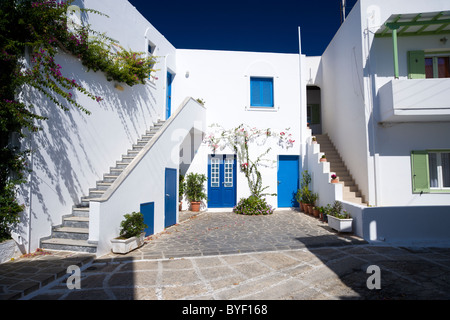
(239, 140)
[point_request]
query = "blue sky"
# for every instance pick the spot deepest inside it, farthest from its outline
(246, 25)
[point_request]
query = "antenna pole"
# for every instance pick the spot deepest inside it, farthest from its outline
(343, 10)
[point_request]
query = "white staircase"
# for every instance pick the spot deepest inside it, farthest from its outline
(73, 233)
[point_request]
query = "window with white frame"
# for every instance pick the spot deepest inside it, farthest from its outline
(439, 167)
(430, 171)
(261, 92)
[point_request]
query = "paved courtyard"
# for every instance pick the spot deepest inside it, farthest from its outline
(285, 256)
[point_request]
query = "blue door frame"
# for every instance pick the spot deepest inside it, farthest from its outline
(221, 181)
(170, 197)
(169, 95)
(288, 181)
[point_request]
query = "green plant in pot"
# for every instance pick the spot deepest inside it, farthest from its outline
(131, 233)
(195, 193)
(132, 225)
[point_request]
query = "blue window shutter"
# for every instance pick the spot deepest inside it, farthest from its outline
(261, 92)
(267, 92)
(255, 92)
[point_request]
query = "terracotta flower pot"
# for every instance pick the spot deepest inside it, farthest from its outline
(195, 206)
(316, 213)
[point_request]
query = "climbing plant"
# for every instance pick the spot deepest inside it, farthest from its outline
(240, 139)
(32, 34)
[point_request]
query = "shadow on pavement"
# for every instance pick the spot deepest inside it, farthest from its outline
(381, 272)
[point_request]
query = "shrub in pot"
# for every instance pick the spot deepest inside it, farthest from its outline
(195, 193)
(131, 233)
(339, 220)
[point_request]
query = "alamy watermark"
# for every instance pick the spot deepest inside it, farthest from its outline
(374, 281)
(74, 280)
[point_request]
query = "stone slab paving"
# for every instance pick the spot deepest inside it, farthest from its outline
(328, 273)
(288, 255)
(214, 233)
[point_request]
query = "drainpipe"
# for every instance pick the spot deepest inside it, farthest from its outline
(371, 103)
(30, 191)
(302, 88)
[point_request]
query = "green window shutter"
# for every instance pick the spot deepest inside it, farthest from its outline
(420, 171)
(416, 65)
(315, 108)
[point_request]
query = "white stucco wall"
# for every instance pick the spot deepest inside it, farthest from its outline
(344, 108)
(74, 150)
(222, 80)
(391, 143)
(354, 67)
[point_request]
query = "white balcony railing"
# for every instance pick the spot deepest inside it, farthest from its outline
(412, 100)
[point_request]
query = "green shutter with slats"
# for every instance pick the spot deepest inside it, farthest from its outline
(416, 65)
(420, 171)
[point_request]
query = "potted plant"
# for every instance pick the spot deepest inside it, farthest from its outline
(194, 190)
(131, 233)
(334, 178)
(314, 140)
(323, 158)
(339, 220)
(181, 190)
(300, 199)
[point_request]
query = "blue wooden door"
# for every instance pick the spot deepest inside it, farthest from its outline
(169, 95)
(221, 181)
(288, 181)
(148, 210)
(170, 195)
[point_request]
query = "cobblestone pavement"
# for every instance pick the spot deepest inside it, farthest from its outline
(288, 255)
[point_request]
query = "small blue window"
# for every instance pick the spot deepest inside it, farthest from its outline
(261, 92)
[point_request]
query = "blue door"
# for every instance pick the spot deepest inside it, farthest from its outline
(169, 95)
(288, 181)
(221, 181)
(148, 211)
(170, 195)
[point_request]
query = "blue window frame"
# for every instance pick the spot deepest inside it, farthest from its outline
(261, 92)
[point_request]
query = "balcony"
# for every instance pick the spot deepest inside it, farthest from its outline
(415, 100)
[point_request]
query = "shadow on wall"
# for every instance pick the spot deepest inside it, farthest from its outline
(73, 149)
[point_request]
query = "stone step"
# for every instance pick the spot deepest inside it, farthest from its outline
(121, 164)
(101, 185)
(76, 222)
(109, 178)
(69, 245)
(80, 211)
(127, 159)
(70, 233)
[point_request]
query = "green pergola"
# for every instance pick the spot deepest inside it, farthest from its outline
(418, 24)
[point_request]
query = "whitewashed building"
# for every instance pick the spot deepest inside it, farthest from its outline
(388, 122)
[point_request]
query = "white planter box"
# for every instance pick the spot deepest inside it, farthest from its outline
(340, 225)
(126, 245)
